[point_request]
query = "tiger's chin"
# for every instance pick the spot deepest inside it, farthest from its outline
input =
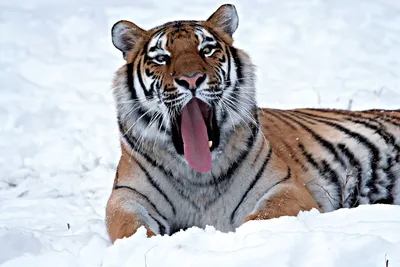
(195, 134)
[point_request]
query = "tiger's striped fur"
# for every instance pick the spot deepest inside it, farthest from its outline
(266, 163)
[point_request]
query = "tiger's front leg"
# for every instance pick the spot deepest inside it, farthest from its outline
(285, 199)
(125, 214)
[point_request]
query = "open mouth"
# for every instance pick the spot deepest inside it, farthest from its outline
(195, 134)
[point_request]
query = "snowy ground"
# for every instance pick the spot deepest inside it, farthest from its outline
(59, 141)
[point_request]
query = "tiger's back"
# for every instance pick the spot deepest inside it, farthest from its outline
(345, 158)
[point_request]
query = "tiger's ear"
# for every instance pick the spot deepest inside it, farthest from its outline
(225, 18)
(125, 35)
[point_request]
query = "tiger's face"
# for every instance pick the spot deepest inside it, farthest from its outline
(186, 79)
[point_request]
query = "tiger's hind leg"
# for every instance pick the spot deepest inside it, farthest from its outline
(125, 214)
(285, 199)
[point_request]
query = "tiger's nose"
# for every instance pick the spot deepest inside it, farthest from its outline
(191, 81)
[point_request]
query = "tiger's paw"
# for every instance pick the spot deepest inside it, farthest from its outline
(257, 216)
(126, 226)
(129, 229)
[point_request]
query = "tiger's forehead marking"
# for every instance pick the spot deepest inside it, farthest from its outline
(205, 37)
(161, 39)
(158, 44)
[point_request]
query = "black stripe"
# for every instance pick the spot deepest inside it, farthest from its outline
(228, 76)
(116, 187)
(326, 172)
(156, 186)
(161, 126)
(145, 117)
(352, 199)
(153, 48)
(216, 36)
(374, 152)
(324, 143)
(117, 173)
(145, 47)
(287, 177)
(150, 93)
(379, 129)
(252, 184)
(131, 87)
(220, 73)
(148, 72)
(391, 179)
(139, 75)
(238, 63)
(294, 156)
(309, 157)
(224, 116)
(129, 76)
(131, 141)
(160, 226)
(242, 156)
(258, 154)
(239, 74)
(226, 177)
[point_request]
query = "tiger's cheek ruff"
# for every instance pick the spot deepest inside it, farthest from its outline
(238, 99)
(138, 105)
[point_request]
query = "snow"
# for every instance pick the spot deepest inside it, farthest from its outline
(59, 140)
(310, 239)
(365, 236)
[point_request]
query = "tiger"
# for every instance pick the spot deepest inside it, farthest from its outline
(197, 150)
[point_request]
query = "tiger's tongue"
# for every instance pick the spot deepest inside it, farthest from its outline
(195, 137)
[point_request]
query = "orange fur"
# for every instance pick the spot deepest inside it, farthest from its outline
(120, 223)
(291, 198)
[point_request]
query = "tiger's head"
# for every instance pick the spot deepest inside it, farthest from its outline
(184, 86)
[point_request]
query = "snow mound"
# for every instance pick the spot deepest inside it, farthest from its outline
(366, 236)
(362, 237)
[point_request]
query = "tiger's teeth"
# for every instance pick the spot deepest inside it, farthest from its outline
(209, 143)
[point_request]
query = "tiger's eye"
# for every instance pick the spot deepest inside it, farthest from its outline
(206, 50)
(161, 58)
